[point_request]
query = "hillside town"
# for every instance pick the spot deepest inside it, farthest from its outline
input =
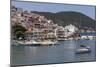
(39, 28)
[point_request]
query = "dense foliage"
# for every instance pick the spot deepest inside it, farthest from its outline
(18, 31)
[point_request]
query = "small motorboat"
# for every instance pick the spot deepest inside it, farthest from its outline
(85, 49)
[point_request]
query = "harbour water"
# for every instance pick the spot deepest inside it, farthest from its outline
(64, 52)
(92, 34)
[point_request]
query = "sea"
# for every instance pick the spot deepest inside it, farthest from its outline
(64, 52)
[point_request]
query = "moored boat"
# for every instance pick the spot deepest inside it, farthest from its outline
(83, 49)
(32, 42)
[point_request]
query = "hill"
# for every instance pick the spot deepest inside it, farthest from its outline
(63, 18)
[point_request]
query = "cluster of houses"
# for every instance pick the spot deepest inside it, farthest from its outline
(39, 28)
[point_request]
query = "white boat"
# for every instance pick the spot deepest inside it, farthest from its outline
(47, 42)
(83, 50)
(26, 42)
(32, 42)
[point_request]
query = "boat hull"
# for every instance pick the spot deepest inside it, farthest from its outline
(34, 43)
(83, 50)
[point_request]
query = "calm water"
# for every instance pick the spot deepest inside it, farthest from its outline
(92, 34)
(65, 52)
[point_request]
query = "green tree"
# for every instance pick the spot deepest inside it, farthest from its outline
(18, 31)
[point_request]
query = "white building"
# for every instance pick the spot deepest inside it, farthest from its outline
(70, 29)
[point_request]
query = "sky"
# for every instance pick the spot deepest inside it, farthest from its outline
(52, 7)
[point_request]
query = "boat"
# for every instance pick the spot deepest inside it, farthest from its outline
(38, 43)
(44, 43)
(27, 43)
(61, 39)
(83, 49)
